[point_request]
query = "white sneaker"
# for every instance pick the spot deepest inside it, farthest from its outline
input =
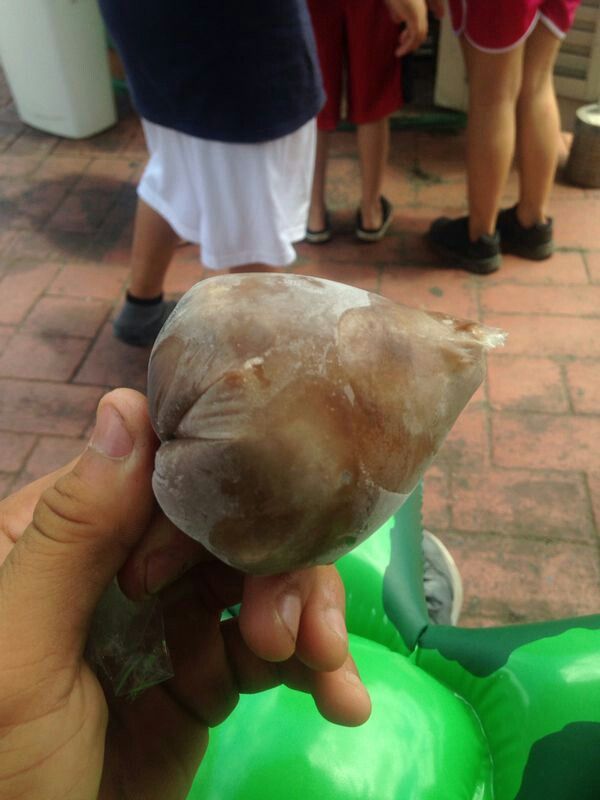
(441, 582)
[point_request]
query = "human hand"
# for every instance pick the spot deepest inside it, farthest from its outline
(413, 13)
(62, 540)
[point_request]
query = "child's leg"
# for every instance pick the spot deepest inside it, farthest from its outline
(373, 148)
(538, 126)
(494, 83)
(154, 242)
(318, 208)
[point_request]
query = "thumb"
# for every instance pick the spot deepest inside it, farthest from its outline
(83, 529)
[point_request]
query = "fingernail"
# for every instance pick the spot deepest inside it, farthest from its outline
(336, 622)
(162, 568)
(289, 610)
(110, 436)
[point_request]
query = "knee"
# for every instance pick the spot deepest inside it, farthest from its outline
(536, 86)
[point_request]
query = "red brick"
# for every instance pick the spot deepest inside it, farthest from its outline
(448, 291)
(547, 336)
(584, 385)
(17, 166)
(104, 145)
(46, 246)
(562, 268)
(526, 384)
(532, 503)
(112, 363)
(521, 580)
(51, 408)
(574, 300)
(31, 202)
(436, 498)
(82, 211)
(50, 453)
(33, 143)
(6, 331)
(593, 479)
(102, 281)
(67, 316)
(574, 222)
(7, 237)
(348, 248)
(112, 169)
(66, 169)
(398, 186)
(14, 448)
(443, 194)
(42, 357)
(343, 183)
(182, 275)
(467, 444)
(136, 146)
(361, 275)
(593, 263)
(20, 287)
(441, 154)
(544, 441)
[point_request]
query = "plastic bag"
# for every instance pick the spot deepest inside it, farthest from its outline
(297, 414)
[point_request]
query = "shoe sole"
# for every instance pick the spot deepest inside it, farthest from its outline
(368, 237)
(539, 253)
(455, 579)
(480, 266)
(322, 237)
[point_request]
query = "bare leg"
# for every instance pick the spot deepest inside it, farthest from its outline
(494, 82)
(153, 244)
(538, 126)
(318, 208)
(373, 148)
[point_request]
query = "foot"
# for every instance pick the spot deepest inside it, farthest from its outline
(375, 234)
(535, 242)
(450, 239)
(441, 582)
(140, 322)
(318, 230)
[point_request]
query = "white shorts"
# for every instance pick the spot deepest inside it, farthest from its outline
(242, 203)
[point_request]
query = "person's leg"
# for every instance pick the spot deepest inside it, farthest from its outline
(494, 83)
(472, 242)
(328, 26)
(538, 126)
(154, 242)
(318, 209)
(373, 148)
(144, 311)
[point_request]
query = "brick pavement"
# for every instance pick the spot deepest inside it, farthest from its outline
(515, 490)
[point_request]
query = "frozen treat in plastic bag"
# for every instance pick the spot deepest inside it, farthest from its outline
(297, 414)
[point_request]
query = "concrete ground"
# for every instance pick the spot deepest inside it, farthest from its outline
(515, 491)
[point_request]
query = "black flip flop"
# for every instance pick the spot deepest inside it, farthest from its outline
(321, 236)
(375, 234)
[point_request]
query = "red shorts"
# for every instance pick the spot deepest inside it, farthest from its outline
(503, 24)
(360, 35)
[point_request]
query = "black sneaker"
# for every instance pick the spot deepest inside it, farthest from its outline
(139, 325)
(450, 239)
(535, 242)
